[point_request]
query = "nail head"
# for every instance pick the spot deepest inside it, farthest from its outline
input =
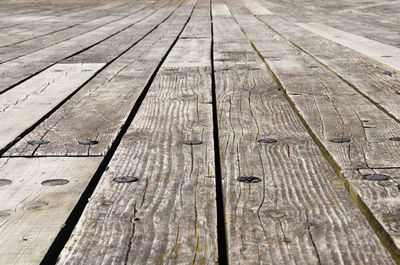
(192, 142)
(376, 177)
(249, 179)
(340, 140)
(4, 182)
(88, 142)
(55, 182)
(267, 140)
(125, 179)
(37, 142)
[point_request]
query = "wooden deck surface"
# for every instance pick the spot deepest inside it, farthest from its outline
(199, 132)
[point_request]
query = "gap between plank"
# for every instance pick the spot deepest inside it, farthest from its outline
(330, 69)
(383, 236)
(87, 48)
(58, 244)
(30, 129)
(221, 224)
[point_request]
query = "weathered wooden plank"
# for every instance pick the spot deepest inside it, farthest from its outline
(168, 215)
(99, 109)
(299, 212)
(30, 64)
(330, 106)
(381, 52)
(47, 26)
(115, 45)
(373, 79)
(33, 212)
(29, 102)
(380, 198)
(332, 109)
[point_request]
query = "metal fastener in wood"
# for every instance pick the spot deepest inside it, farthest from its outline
(192, 142)
(4, 182)
(249, 179)
(125, 179)
(88, 142)
(340, 140)
(37, 142)
(55, 182)
(267, 140)
(376, 177)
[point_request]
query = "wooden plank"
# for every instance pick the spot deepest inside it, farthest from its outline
(332, 110)
(299, 212)
(29, 102)
(374, 80)
(115, 45)
(22, 67)
(40, 30)
(169, 215)
(380, 198)
(256, 8)
(99, 109)
(32, 214)
(32, 45)
(381, 52)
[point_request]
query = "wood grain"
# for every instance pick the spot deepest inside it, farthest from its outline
(32, 214)
(310, 87)
(300, 212)
(169, 215)
(99, 109)
(27, 103)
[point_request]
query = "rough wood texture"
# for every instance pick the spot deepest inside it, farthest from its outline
(111, 96)
(332, 109)
(311, 200)
(375, 80)
(18, 69)
(169, 215)
(300, 212)
(32, 214)
(27, 103)
(381, 52)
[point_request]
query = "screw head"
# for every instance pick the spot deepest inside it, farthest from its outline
(249, 179)
(267, 140)
(55, 182)
(376, 177)
(88, 142)
(340, 140)
(125, 179)
(4, 182)
(192, 142)
(387, 73)
(37, 142)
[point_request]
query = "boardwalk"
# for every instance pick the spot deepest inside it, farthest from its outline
(199, 132)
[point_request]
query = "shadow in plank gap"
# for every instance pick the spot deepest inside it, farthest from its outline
(26, 104)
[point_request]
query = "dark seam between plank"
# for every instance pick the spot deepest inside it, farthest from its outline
(58, 244)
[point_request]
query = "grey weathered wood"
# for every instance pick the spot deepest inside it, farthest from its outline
(360, 71)
(93, 21)
(47, 26)
(25, 105)
(99, 109)
(169, 215)
(300, 213)
(31, 214)
(29, 64)
(332, 109)
(115, 45)
(380, 198)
